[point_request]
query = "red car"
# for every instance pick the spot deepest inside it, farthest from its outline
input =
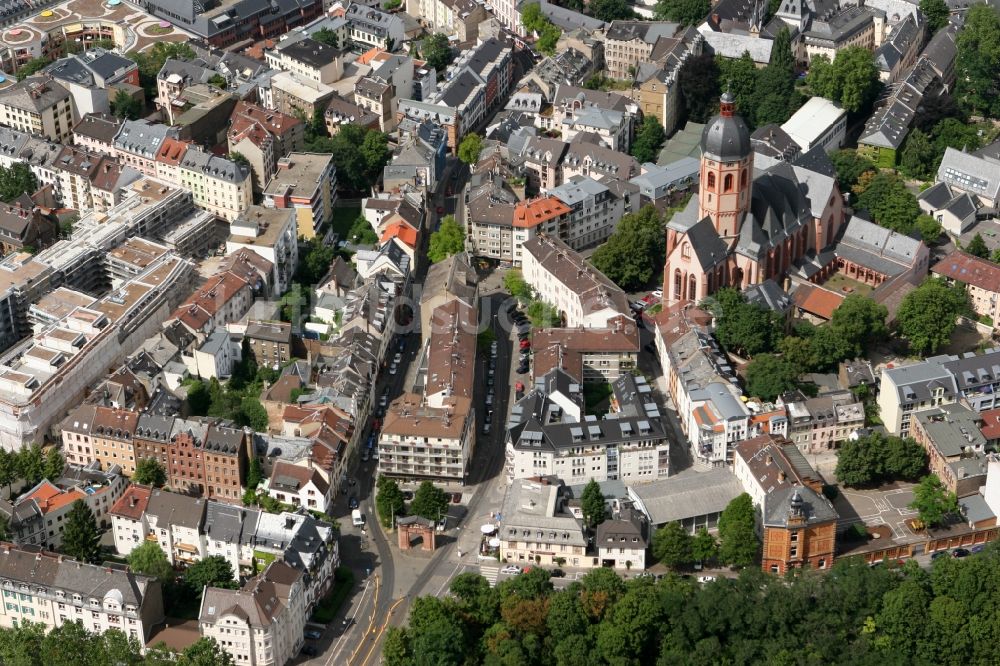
(525, 344)
(440, 210)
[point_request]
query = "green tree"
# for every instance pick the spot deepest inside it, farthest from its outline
(856, 78)
(919, 156)
(31, 464)
(125, 106)
(820, 79)
(648, 140)
(928, 314)
(744, 328)
(738, 545)
(149, 559)
(16, 180)
(396, 647)
(879, 458)
(150, 472)
(548, 40)
(327, 36)
(860, 321)
(54, 464)
(218, 81)
(704, 547)
(314, 261)
(929, 229)
(362, 233)
(768, 376)
(205, 652)
(254, 474)
(634, 254)
(610, 10)
(936, 13)
(81, 538)
(739, 77)
(429, 502)
(4, 527)
(890, 203)
(150, 62)
(685, 12)
(198, 398)
(672, 545)
(777, 98)
(253, 414)
(8, 468)
(33, 66)
(437, 51)
(592, 504)
(977, 247)
(850, 166)
(238, 157)
(449, 239)
(978, 60)
(698, 80)
(389, 501)
(470, 148)
(933, 502)
(543, 315)
(213, 571)
(513, 282)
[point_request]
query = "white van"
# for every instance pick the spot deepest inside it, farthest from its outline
(357, 518)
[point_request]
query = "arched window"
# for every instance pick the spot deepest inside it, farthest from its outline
(692, 288)
(743, 179)
(711, 181)
(677, 284)
(728, 183)
(686, 250)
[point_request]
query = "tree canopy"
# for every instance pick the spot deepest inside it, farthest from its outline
(746, 329)
(648, 140)
(429, 502)
(738, 544)
(879, 458)
(851, 79)
(81, 538)
(610, 10)
(672, 545)
(149, 559)
(927, 316)
(634, 254)
(536, 22)
(890, 203)
(437, 51)
(933, 502)
(150, 62)
(592, 504)
(214, 571)
(768, 376)
(125, 106)
(777, 99)
(850, 167)
(977, 247)
(936, 14)
(470, 147)
(449, 239)
(698, 80)
(358, 153)
(389, 501)
(150, 472)
(685, 12)
(16, 180)
(977, 87)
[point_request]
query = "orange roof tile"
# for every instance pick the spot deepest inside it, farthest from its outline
(528, 214)
(404, 232)
(969, 269)
(816, 300)
(369, 55)
(171, 151)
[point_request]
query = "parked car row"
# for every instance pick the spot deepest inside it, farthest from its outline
(523, 327)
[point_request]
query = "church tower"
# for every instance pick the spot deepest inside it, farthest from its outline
(726, 170)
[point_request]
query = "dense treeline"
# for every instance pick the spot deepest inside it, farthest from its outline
(853, 614)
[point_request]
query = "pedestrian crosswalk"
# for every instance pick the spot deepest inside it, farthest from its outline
(491, 574)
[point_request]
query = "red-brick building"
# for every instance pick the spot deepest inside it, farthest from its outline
(800, 530)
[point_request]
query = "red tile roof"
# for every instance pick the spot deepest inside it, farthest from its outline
(816, 300)
(991, 423)
(50, 498)
(132, 504)
(171, 151)
(966, 268)
(401, 230)
(529, 214)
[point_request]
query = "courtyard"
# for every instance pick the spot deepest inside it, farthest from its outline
(841, 284)
(886, 506)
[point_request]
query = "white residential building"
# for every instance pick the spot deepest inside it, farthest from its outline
(261, 623)
(270, 233)
(298, 485)
(584, 296)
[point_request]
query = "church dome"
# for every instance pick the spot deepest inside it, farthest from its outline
(726, 137)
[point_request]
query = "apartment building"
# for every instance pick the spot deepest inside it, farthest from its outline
(593, 355)
(548, 434)
(272, 235)
(629, 43)
(55, 502)
(307, 58)
(219, 185)
(800, 531)
(263, 621)
(622, 540)
(91, 181)
(851, 26)
(38, 105)
(605, 118)
(496, 234)
(981, 279)
(96, 132)
(138, 141)
(537, 530)
(451, 17)
(956, 446)
(222, 299)
(22, 225)
(52, 590)
(766, 463)
(937, 381)
(373, 27)
(307, 183)
(270, 341)
(822, 423)
(299, 486)
(263, 137)
(91, 77)
(595, 210)
(583, 296)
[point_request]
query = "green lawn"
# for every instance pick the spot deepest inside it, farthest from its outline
(343, 219)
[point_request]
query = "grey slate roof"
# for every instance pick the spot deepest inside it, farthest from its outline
(175, 509)
(777, 505)
(228, 523)
(970, 173)
(142, 137)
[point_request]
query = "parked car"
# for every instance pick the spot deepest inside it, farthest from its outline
(977, 549)
(940, 553)
(440, 210)
(456, 498)
(352, 503)
(486, 428)
(637, 305)
(526, 344)
(442, 524)
(392, 369)
(706, 579)
(521, 369)
(364, 456)
(557, 573)
(488, 419)
(313, 635)
(309, 650)
(489, 399)
(398, 358)
(960, 552)
(407, 495)
(658, 293)
(511, 569)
